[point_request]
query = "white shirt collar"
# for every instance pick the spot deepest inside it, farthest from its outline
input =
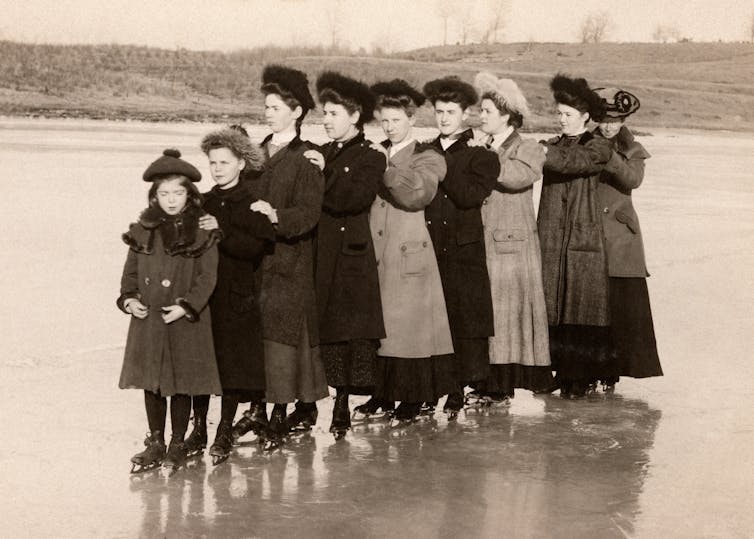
(499, 138)
(395, 148)
(281, 139)
(447, 142)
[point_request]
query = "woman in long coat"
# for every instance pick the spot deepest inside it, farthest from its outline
(632, 335)
(454, 221)
(415, 359)
(348, 290)
(236, 318)
(290, 190)
(574, 259)
(519, 350)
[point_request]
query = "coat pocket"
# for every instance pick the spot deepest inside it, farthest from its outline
(509, 240)
(352, 258)
(586, 237)
(414, 258)
(242, 298)
(469, 234)
(627, 220)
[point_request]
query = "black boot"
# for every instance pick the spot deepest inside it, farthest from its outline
(303, 417)
(152, 456)
(407, 411)
(223, 444)
(176, 454)
(277, 428)
(374, 406)
(197, 440)
(254, 420)
(454, 402)
(341, 416)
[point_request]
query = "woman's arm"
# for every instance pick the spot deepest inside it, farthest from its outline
(414, 185)
(586, 159)
(303, 215)
(524, 167)
(205, 278)
(626, 168)
(353, 188)
(468, 186)
(246, 237)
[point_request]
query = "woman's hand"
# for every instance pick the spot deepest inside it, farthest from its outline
(208, 222)
(315, 158)
(476, 143)
(265, 208)
(136, 308)
(171, 313)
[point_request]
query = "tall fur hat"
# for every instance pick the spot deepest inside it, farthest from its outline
(288, 82)
(238, 143)
(398, 91)
(618, 103)
(336, 88)
(451, 90)
(577, 94)
(170, 162)
(504, 92)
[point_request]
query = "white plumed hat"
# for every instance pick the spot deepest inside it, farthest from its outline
(506, 91)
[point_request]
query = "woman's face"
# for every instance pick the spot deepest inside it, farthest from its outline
(396, 124)
(449, 117)
(571, 120)
(610, 128)
(172, 196)
(278, 115)
(493, 122)
(225, 167)
(339, 124)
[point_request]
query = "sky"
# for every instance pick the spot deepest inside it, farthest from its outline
(390, 24)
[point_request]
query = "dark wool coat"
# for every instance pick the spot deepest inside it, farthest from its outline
(623, 173)
(454, 221)
(294, 187)
(236, 316)
(348, 288)
(574, 262)
(175, 358)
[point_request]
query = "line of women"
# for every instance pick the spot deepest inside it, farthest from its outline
(406, 270)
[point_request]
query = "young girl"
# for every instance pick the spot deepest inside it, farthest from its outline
(290, 191)
(236, 318)
(167, 280)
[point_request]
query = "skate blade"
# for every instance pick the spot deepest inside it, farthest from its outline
(272, 445)
(219, 459)
(137, 468)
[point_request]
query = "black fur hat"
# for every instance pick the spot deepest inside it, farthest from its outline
(288, 82)
(577, 94)
(451, 90)
(238, 143)
(170, 162)
(354, 95)
(397, 93)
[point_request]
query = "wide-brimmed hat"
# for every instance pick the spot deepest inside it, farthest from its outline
(506, 92)
(347, 89)
(168, 163)
(451, 90)
(576, 93)
(618, 103)
(290, 82)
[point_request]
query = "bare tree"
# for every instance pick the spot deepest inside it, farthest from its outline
(467, 25)
(445, 9)
(664, 33)
(497, 13)
(334, 15)
(594, 27)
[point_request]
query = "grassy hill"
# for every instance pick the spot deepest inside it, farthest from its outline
(688, 85)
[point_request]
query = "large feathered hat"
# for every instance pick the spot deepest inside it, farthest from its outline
(618, 103)
(354, 95)
(397, 93)
(451, 90)
(237, 142)
(288, 82)
(504, 93)
(577, 94)
(168, 163)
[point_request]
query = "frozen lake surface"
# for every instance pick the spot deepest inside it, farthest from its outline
(662, 457)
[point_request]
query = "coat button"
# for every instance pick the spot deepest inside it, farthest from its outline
(379, 232)
(424, 244)
(429, 221)
(403, 247)
(165, 283)
(445, 196)
(342, 229)
(445, 222)
(383, 204)
(146, 280)
(346, 169)
(605, 210)
(485, 201)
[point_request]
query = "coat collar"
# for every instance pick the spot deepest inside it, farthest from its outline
(331, 150)
(294, 144)
(510, 140)
(234, 194)
(462, 139)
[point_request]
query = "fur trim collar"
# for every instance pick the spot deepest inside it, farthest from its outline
(180, 234)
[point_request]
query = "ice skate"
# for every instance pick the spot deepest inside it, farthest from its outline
(197, 440)
(474, 398)
(152, 456)
(453, 404)
(223, 444)
(253, 420)
(303, 417)
(405, 414)
(176, 455)
(374, 407)
(427, 408)
(341, 417)
(608, 384)
(277, 430)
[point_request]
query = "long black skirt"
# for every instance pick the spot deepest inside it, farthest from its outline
(414, 380)
(505, 378)
(351, 365)
(472, 360)
(632, 333)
